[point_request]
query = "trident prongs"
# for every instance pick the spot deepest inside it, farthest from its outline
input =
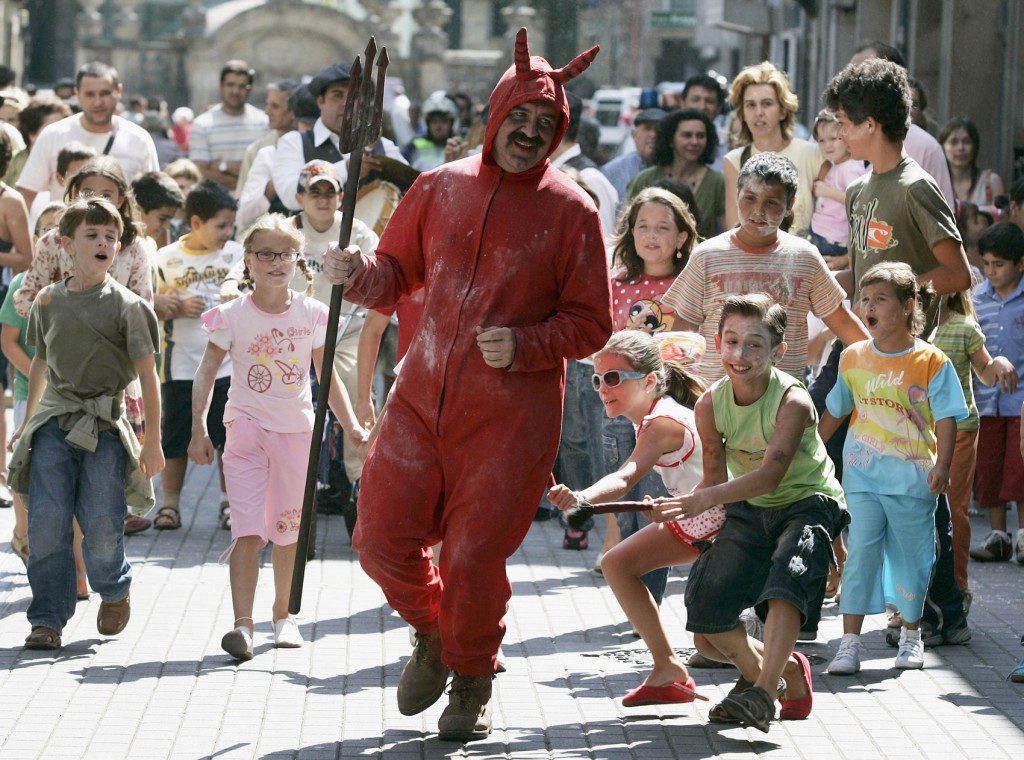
(347, 136)
(361, 123)
(378, 106)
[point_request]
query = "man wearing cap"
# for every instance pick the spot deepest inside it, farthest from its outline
(220, 135)
(509, 254)
(620, 171)
(294, 150)
(98, 90)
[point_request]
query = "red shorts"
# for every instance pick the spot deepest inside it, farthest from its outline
(999, 475)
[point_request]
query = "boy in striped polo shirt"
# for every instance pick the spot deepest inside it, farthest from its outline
(757, 257)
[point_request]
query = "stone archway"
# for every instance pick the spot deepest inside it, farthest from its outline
(281, 40)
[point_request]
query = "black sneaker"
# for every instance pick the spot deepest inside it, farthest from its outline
(575, 540)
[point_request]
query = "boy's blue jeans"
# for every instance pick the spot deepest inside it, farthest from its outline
(66, 482)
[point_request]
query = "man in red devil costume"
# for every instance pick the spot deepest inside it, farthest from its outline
(510, 256)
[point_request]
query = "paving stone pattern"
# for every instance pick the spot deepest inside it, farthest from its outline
(164, 688)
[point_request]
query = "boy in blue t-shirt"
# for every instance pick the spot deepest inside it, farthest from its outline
(999, 304)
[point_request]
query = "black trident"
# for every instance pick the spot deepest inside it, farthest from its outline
(360, 128)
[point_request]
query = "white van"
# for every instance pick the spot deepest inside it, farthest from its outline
(614, 109)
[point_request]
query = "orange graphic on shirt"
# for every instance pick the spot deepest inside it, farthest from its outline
(879, 234)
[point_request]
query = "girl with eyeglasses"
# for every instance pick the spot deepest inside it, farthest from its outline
(271, 334)
(656, 394)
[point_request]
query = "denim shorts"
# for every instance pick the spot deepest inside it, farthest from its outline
(177, 416)
(828, 248)
(763, 554)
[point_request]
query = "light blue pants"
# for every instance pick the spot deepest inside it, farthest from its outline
(891, 548)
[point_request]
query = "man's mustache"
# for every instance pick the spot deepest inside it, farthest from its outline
(533, 142)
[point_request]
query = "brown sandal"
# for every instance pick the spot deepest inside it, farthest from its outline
(42, 638)
(167, 518)
(720, 713)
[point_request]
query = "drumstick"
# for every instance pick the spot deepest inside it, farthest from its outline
(576, 517)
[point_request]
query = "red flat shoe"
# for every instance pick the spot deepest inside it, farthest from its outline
(674, 693)
(800, 707)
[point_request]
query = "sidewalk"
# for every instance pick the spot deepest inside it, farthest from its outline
(164, 688)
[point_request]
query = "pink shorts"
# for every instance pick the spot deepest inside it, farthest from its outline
(703, 527)
(265, 473)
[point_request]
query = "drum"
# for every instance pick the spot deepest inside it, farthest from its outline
(376, 202)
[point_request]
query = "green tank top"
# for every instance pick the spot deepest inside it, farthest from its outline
(746, 431)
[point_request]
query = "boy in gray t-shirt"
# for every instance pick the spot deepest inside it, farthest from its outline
(76, 453)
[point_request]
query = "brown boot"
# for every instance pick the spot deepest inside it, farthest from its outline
(467, 717)
(424, 677)
(113, 617)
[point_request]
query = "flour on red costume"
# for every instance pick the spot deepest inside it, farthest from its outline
(465, 450)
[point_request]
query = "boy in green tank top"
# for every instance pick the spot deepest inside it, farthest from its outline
(764, 460)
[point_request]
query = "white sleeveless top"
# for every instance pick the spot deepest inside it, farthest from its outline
(682, 470)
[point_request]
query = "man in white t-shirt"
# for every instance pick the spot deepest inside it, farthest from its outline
(98, 90)
(220, 135)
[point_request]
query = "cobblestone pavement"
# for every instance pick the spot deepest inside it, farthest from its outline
(164, 688)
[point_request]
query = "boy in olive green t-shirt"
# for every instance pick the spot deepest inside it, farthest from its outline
(764, 460)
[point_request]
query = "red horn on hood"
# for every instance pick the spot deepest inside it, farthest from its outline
(576, 66)
(522, 54)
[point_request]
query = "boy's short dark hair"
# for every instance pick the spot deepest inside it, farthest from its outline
(875, 88)
(758, 305)
(89, 211)
(155, 190)
(207, 199)
(1004, 240)
(237, 66)
(73, 151)
(772, 169)
(98, 70)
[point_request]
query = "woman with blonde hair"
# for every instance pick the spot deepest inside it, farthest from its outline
(767, 106)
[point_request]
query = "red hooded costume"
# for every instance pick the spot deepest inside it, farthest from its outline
(465, 450)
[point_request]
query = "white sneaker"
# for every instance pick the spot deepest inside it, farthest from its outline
(238, 643)
(753, 624)
(911, 652)
(847, 659)
(1018, 547)
(286, 633)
